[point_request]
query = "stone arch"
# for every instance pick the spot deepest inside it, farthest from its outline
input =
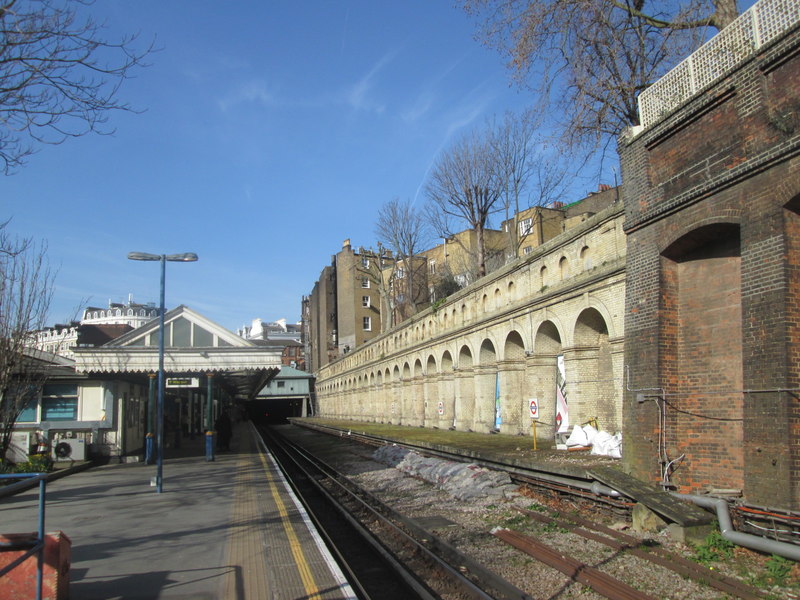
(514, 347)
(542, 374)
(406, 395)
(511, 292)
(417, 398)
(701, 352)
(511, 377)
(486, 414)
(430, 392)
(464, 390)
(396, 397)
(595, 390)
(498, 298)
(543, 277)
(586, 258)
(563, 268)
(447, 392)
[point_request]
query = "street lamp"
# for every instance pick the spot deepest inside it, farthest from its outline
(162, 258)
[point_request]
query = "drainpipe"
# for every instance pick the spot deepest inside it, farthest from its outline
(755, 542)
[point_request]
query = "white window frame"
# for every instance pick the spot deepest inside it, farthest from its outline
(366, 301)
(367, 323)
(525, 226)
(365, 283)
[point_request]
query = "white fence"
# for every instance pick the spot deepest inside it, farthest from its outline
(762, 23)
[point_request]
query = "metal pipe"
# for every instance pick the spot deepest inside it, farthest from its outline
(755, 542)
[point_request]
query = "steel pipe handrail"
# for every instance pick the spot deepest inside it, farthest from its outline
(38, 546)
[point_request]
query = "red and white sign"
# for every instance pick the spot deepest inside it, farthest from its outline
(534, 406)
(440, 408)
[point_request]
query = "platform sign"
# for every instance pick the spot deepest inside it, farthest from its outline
(183, 382)
(440, 407)
(533, 404)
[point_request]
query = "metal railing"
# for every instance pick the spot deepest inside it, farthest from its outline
(31, 546)
(760, 24)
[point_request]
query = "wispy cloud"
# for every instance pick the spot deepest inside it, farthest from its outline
(359, 96)
(250, 92)
(422, 105)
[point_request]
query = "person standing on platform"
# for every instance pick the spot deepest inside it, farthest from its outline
(224, 431)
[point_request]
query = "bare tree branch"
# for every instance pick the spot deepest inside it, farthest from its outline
(26, 287)
(405, 231)
(589, 59)
(59, 78)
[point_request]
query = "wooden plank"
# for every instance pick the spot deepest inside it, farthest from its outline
(672, 509)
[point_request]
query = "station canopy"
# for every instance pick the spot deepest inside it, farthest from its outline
(193, 346)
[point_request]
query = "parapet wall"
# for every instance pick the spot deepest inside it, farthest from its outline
(475, 361)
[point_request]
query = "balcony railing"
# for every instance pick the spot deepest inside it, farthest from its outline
(763, 22)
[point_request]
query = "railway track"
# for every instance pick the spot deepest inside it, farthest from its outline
(438, 570)
(385, 555)
(579, 488)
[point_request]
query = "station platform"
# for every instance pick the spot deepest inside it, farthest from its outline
(227, 529)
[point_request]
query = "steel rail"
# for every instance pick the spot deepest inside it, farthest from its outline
(320, 522)
(470, 576)
(602, 583)
(622, 542)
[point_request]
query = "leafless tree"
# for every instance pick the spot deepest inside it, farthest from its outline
(405, 231)
(464, 187)
(530, 170)
(59, 78)
(592, 58)
(26, 285)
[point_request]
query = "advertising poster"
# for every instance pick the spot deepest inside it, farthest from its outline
(562, 410)
(498, 420)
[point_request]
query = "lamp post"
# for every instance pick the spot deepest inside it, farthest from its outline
(162, 258)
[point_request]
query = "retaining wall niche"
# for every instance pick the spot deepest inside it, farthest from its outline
(711, 315)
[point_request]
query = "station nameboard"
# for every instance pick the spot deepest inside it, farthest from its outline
(183, 382)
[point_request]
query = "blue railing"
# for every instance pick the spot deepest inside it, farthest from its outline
(34, 546)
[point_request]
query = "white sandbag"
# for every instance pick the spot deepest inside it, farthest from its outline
(615, 446)
(577, 437)
(591, 433)
(601, 442)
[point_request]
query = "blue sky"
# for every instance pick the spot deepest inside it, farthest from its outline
(272, 131)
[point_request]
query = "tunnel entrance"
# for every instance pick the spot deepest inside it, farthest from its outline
(275, 411)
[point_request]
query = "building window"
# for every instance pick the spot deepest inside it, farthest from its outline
(432, 267)
(367, 323)
(528, 249)
(281, 384)
(365, 282)
(525, 227)
(60, 402)
(365, 262)
(399, 274)
(365, 301)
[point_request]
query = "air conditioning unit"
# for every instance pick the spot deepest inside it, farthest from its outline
(69, 449)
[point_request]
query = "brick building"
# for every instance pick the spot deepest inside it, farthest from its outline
(712, 216)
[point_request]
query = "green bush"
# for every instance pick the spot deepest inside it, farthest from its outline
(36, 463)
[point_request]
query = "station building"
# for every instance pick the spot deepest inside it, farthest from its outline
(101, 403)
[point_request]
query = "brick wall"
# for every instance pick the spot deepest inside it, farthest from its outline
(712, 285)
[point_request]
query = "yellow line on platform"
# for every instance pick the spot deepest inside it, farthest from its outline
(311, 588)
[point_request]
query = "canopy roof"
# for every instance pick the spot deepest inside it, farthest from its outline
(192, 345)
